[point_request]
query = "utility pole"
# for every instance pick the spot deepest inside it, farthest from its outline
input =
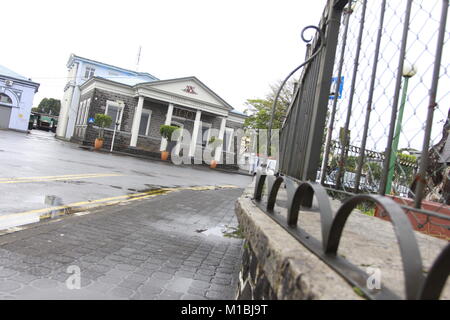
(138, 58)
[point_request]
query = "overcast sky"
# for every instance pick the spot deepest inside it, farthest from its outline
(237, 48)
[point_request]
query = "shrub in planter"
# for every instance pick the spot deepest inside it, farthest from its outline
(214, 143)
(166, 132)
(102, 121)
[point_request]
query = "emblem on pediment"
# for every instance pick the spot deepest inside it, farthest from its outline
(190, 89)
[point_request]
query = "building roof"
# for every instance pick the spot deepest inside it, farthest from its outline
(130, 84)
(9, 73)
(194, 79)
(239, 113)
(143, 75)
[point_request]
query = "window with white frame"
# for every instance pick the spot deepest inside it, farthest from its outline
(115, 111)
(144, 125)
(89, 72)
(80, 112)
(83, 112)
(86, 111)
(5, 99)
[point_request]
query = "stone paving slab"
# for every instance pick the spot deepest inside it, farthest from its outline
(149, 249)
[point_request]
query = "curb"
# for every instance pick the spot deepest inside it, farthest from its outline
(202, 166)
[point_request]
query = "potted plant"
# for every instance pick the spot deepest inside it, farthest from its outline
(102, 121)
(166, 132)
(215, 143)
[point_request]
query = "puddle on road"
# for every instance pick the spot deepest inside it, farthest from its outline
(153, 188)
(221, 231)
(53, 201)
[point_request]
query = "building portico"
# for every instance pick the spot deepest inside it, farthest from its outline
(141, 109)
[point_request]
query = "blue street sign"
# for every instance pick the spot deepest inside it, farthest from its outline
(91, 120)
(333, 87)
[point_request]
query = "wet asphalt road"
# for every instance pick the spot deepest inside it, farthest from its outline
(61, 170)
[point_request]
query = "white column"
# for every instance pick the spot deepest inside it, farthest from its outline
(64, 113)
(195, 133)
(136, 122)
(219, 149)
(167, 123)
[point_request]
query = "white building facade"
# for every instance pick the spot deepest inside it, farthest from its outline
(79, 71)
(16, 100)
(139, 104)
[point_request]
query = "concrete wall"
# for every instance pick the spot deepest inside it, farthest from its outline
(276, 266)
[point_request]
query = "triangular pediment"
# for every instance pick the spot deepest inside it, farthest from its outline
(190, 88)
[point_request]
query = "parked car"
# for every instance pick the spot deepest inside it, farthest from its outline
(42, 122)
(258, 165)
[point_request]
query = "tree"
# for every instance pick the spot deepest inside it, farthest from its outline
(437, 183)
(373, 171)
(102, 121)
(259, 110)
(49, 106)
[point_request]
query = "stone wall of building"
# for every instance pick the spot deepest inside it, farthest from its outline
(98, 105)
(159, 112)
(149, 144)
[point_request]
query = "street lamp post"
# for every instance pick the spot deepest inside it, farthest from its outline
(409, 70)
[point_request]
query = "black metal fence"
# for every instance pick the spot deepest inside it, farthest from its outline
(368, 118)
(380, 96)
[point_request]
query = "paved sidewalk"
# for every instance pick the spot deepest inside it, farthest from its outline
(149, 249)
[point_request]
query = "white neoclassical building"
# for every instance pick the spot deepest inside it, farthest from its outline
(140, 107)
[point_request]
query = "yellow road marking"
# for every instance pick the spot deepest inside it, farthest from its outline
(45, 177)
(73, 205)
(82, 205)
(57, 178)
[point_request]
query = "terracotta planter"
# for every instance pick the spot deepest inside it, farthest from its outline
(430, 225)
(213, 164)
(98, 144)
(164, 155)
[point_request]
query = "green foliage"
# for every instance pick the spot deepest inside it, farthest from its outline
(373, 171)
(215, 140)
(260, 110)
(351, 163)
(49, 106)
(102, 120)
(404, 168)
(359, 292)
(237, 233)
(261, 114)
(366, 208)
(166, 131)
(403, 157)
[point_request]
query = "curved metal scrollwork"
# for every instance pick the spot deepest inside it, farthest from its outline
(437, 276)
(302, 194)
(321, 42)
